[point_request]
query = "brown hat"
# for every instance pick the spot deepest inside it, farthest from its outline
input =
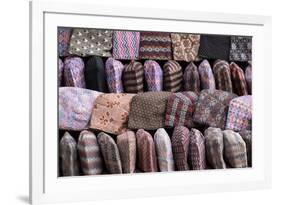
(133, 77)
(222, 75)
(172, 76)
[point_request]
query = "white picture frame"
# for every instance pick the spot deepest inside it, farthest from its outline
(46, 186)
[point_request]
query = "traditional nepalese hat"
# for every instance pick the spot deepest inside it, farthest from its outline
(95, 74)
(127, 146)
(89, 153)
(110, 112)
(147, 161)
(222, 75)
(75, 107)
(207, 80)
(234, 149)
(113, 70)
(74, 72)
(164, 150)
(148, 110)
(153, 75)
(64, 35)
(180, 147)
(214, 147)
(247, 137)
(248, 77)
(68, 155)
(133, 77)
(180, 108)
(173, 76)
(240, 113)
(126, 44)
(60, 70)
(197, 153)
(211, 108)
(239, 83)
(241, 48)
(110, 153)
(191, 78)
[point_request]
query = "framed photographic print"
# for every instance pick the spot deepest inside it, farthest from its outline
(127, 103)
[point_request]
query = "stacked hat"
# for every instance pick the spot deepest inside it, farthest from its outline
(222, 75)
(153, 75)
(191, 78)
(248, 77)
(89, 153)
(180, 108)
(164, 150)
(247, 137)
(147, 161)
(113, 70)
(207, 80)
(126, 143)
(238, 79)
(110, 153)
(64, 35)
(197, 150)
(172, 76)
(60, 72)
(180, 147)
(74, 72)
(241, 48)
(240, 113)
(68, 155)
(133, 77)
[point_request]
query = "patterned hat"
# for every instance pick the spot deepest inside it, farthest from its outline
(155, 45)
(110, 112)
(68, 156)
(95, 74)
(248, 77)
(113, 70)
(89, 153)
(172, 76)
(180, 147)
(222, 75)
(64, 35)
(241, 48)
(191, 78)
(197, 153)
(133, 77)
(147, 161)
(211, 108)
(247, 137)
(214, 147)
(234, 149)
(153, 75)
(110, 153)
(185, 46)
(148, 110)
(164, 150)
(126, 45)
(240, 113)
(207, 79)
(60, 71)
(75, 107)
(238, 80)
(74, 72)
(127, 146)
(88, 42)
(180, 108)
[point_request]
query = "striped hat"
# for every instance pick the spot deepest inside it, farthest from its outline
(64, 35)
(222, 75)
(247, 137)
(125, 45)
(197, 153)
(180, 108)
(110, 153)
(113, 70)
(239, 83)
(74, 72)
(240, 113)
(133, 77)
(89, 153)
(191, 78)
(172, 76)
(147, 161)
(164, 150)
(68, 155)
(180, 147)
(127, 146)
(211, 108)
(207, 80)
(60, 72)
(248, 77)
(234, 149)
(153, 75)
(214, 147)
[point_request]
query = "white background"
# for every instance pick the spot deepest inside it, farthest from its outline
(14, 52)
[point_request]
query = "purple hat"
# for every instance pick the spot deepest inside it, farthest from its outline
(60, 71)
(113, 70)
(248, 77)
(153, 75)
(207, 80)
(191, 78)
(222, 75)
(197, 153)
(64, 35)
